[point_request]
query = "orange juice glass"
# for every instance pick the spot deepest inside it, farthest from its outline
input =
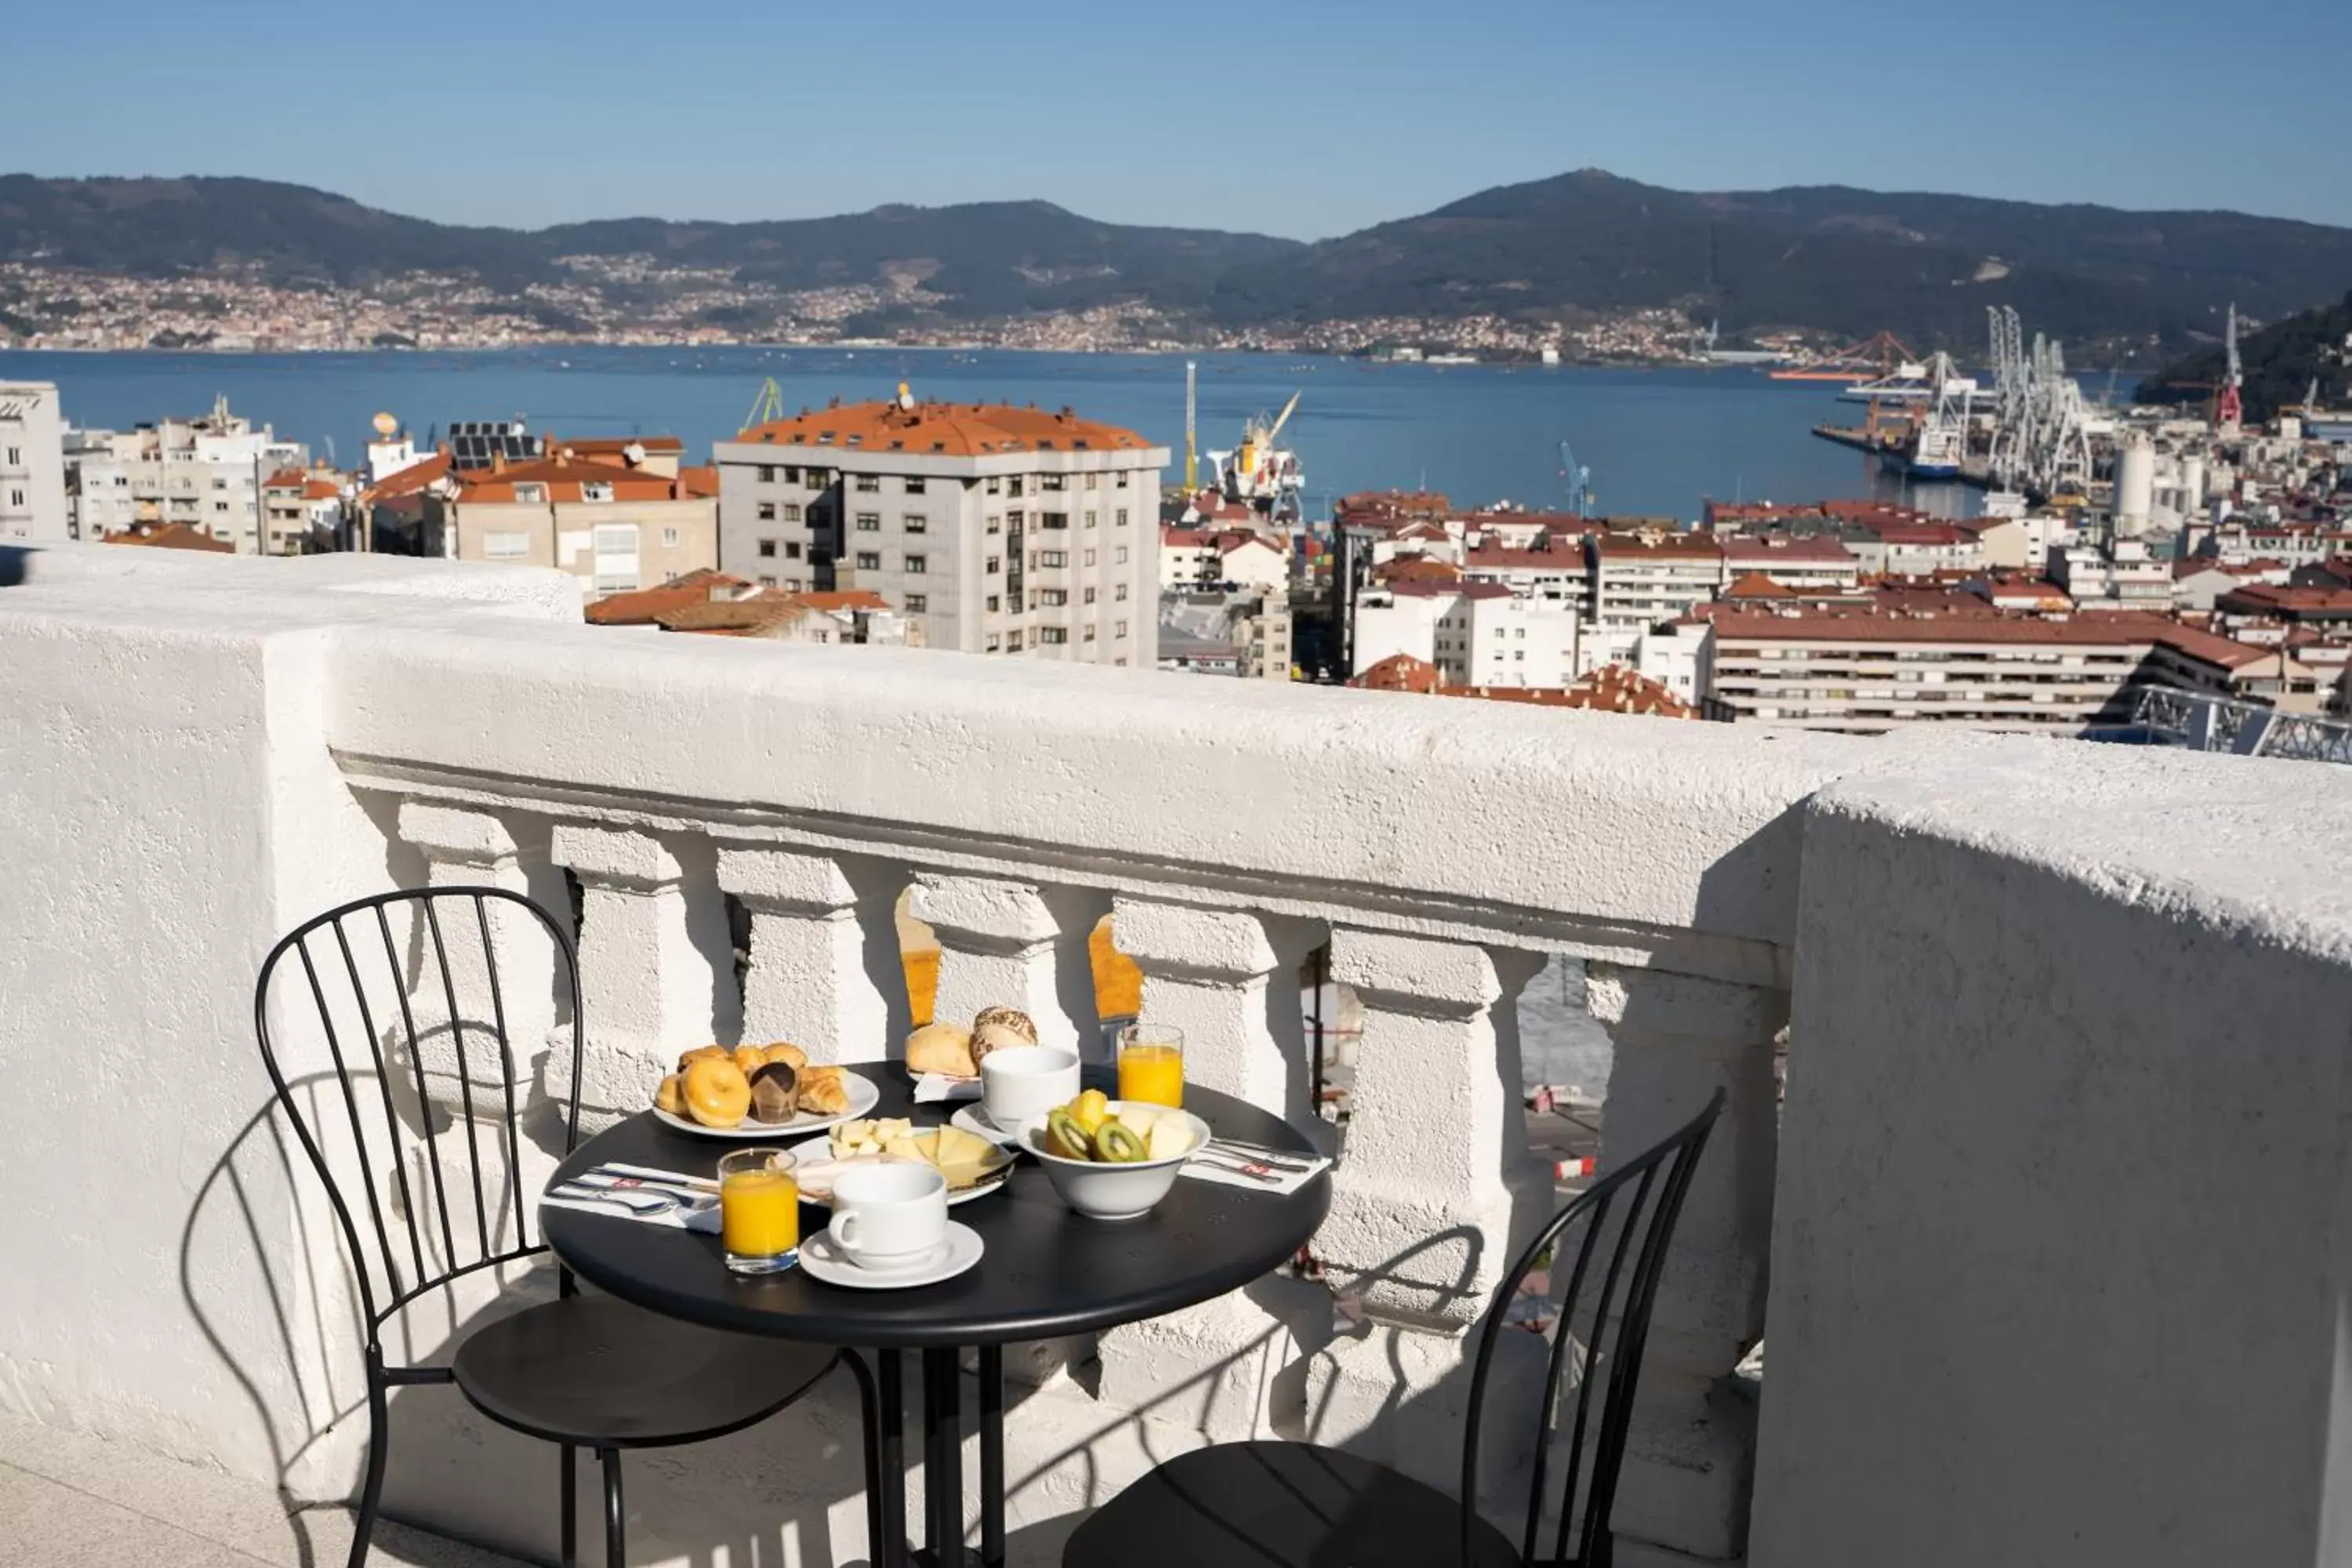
(1151, 1064)
(758, 1210)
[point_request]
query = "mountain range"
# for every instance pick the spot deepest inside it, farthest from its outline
(1830, 259)
(2305, 356)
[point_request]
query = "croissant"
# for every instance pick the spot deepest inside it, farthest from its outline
(790, 1055)
(824, 1091)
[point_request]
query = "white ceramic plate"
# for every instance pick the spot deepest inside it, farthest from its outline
(975, 1119)
(863, 1097)
(961, 1249)
(821, 1149)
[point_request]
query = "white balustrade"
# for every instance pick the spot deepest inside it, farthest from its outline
(1014, 944)
(466, 847)
(1691, 1454)
(817, 976)
(1229, 979)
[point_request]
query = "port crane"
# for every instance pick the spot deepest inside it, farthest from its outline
(769, 404)
(1873, 359)
(1260, 473)
(2229, 408)
(1580, 482)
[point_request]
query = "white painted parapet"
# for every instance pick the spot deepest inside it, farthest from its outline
(1691, 1453)
(1014, 944)
(646, 984)
(1229, 979)
(466, 848)
(815, 977)
(1434, 1178)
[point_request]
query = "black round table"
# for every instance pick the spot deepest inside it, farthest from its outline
(1046, 1270)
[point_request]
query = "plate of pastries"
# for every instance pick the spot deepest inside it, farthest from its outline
(757, 1091)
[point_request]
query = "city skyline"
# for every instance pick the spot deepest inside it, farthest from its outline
(1289, 124)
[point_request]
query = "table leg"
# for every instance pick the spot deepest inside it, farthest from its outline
(943, 1457)
(891, 1549)
(992, 1457)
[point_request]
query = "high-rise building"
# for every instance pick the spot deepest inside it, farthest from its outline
(999, 529)
(32, 462)
(205, 473)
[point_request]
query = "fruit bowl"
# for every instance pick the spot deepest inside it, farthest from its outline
(1102, 1191)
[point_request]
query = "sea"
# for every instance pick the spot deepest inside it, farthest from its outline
(1658, 443)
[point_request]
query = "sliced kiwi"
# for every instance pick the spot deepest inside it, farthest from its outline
(1118, 1145)
(1064, 1137)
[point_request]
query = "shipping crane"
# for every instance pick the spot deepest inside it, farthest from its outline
(768, 406)
(2229, 408)
(1191, 443)
(1580, 482)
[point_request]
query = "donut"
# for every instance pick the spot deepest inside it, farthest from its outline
(717, 1093)
(669, 1098)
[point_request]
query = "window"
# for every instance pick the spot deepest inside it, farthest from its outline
(869, 522)
(915, 484)
(994, 642)
(1090, 596)
(1094, 481)
(993, 603)
(1122, 484)
(1119, 630)
(15, 457)
(919, 563)
(1013, 485)
(1121, 516)
(1054, 519)
(1053, 595)
(1090, 516)
(1053, 635)
(767, 581)
(767, 511)
(617, 539)
(995, 565)
(1016, 518)
(1120, 558)
(814, 480)
(1013, 642)
(669, 536)
(792, 550)
(220, 484)
(217, 506)
(996, 486)
(594, 492)
(1089, 634)
(869, 484)
(506, 547)
(869, 561)
(792, 511)
(918, 603)
(766, 473)
(532, 494)
(768, 549)
(915, 522)
(1051, 482)
(1519, 654)
(995, 524)
(1119, 593)
(1053, 558)
(792, 585)
(616, 583)
(1090, 557)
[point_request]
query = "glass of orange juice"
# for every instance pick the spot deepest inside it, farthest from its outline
(1151, 1064)
(758, 1210)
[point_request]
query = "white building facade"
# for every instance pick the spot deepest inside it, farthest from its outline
(32, 463)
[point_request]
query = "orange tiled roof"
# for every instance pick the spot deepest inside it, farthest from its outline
(1399, 672)
(699, 482)
(418, 475)
(641, 607)
(563, 480)
(1756, 585)
(173, 536)
(949, 429)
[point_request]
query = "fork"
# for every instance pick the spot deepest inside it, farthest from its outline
(1238, 1165)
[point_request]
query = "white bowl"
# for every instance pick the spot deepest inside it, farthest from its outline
(1110, 1192)
(1018, 1082)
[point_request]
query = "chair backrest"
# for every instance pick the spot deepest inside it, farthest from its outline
(382, 972)
(1612, 1285)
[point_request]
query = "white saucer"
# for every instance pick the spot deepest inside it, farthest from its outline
(975, 1119)
(822, 1147)
(958, 1253)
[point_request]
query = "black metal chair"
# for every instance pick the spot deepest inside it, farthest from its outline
(581, 1372)
(1300, 1504)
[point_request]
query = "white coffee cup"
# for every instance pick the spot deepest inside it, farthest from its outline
(889, 1217)
(1021, 1081)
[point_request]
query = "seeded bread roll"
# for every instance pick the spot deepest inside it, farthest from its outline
(997, 1028)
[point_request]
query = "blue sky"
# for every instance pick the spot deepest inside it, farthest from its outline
(1303, 119)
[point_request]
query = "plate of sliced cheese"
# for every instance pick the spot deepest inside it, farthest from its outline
(974, 1166)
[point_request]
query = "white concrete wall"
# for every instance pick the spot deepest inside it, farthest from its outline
(2061, 1265)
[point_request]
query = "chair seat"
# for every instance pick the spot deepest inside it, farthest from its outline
(1280, 1505)
(599, 1372)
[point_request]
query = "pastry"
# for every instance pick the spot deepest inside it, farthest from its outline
(775, 1093)
(669, 1096)
(995, 1029)
(824, 1091)
(789, 1054)
(749, 1059)
(717, 1093)
(701, 1054)
(943, 1048)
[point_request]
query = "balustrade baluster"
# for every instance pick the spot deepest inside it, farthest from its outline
(826, 971)
(1015, 944)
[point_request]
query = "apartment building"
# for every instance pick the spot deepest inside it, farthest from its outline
(303, 511)
(1551, 566)
(1640, 580)
(1815, 562)
(1209, 558)
(32, 462)
(1262, 632)
(205, 473)
(615, 529)
(1914, 549)
(2119, 575)
(999, 529)
(1475, 633)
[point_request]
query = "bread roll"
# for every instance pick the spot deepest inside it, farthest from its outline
(824, 1092)
(941, 1047)
(716, 1091)
(997, 1028)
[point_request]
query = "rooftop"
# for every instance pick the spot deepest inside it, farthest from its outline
(949, 429)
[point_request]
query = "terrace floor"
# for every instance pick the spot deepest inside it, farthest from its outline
(67, 1500)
